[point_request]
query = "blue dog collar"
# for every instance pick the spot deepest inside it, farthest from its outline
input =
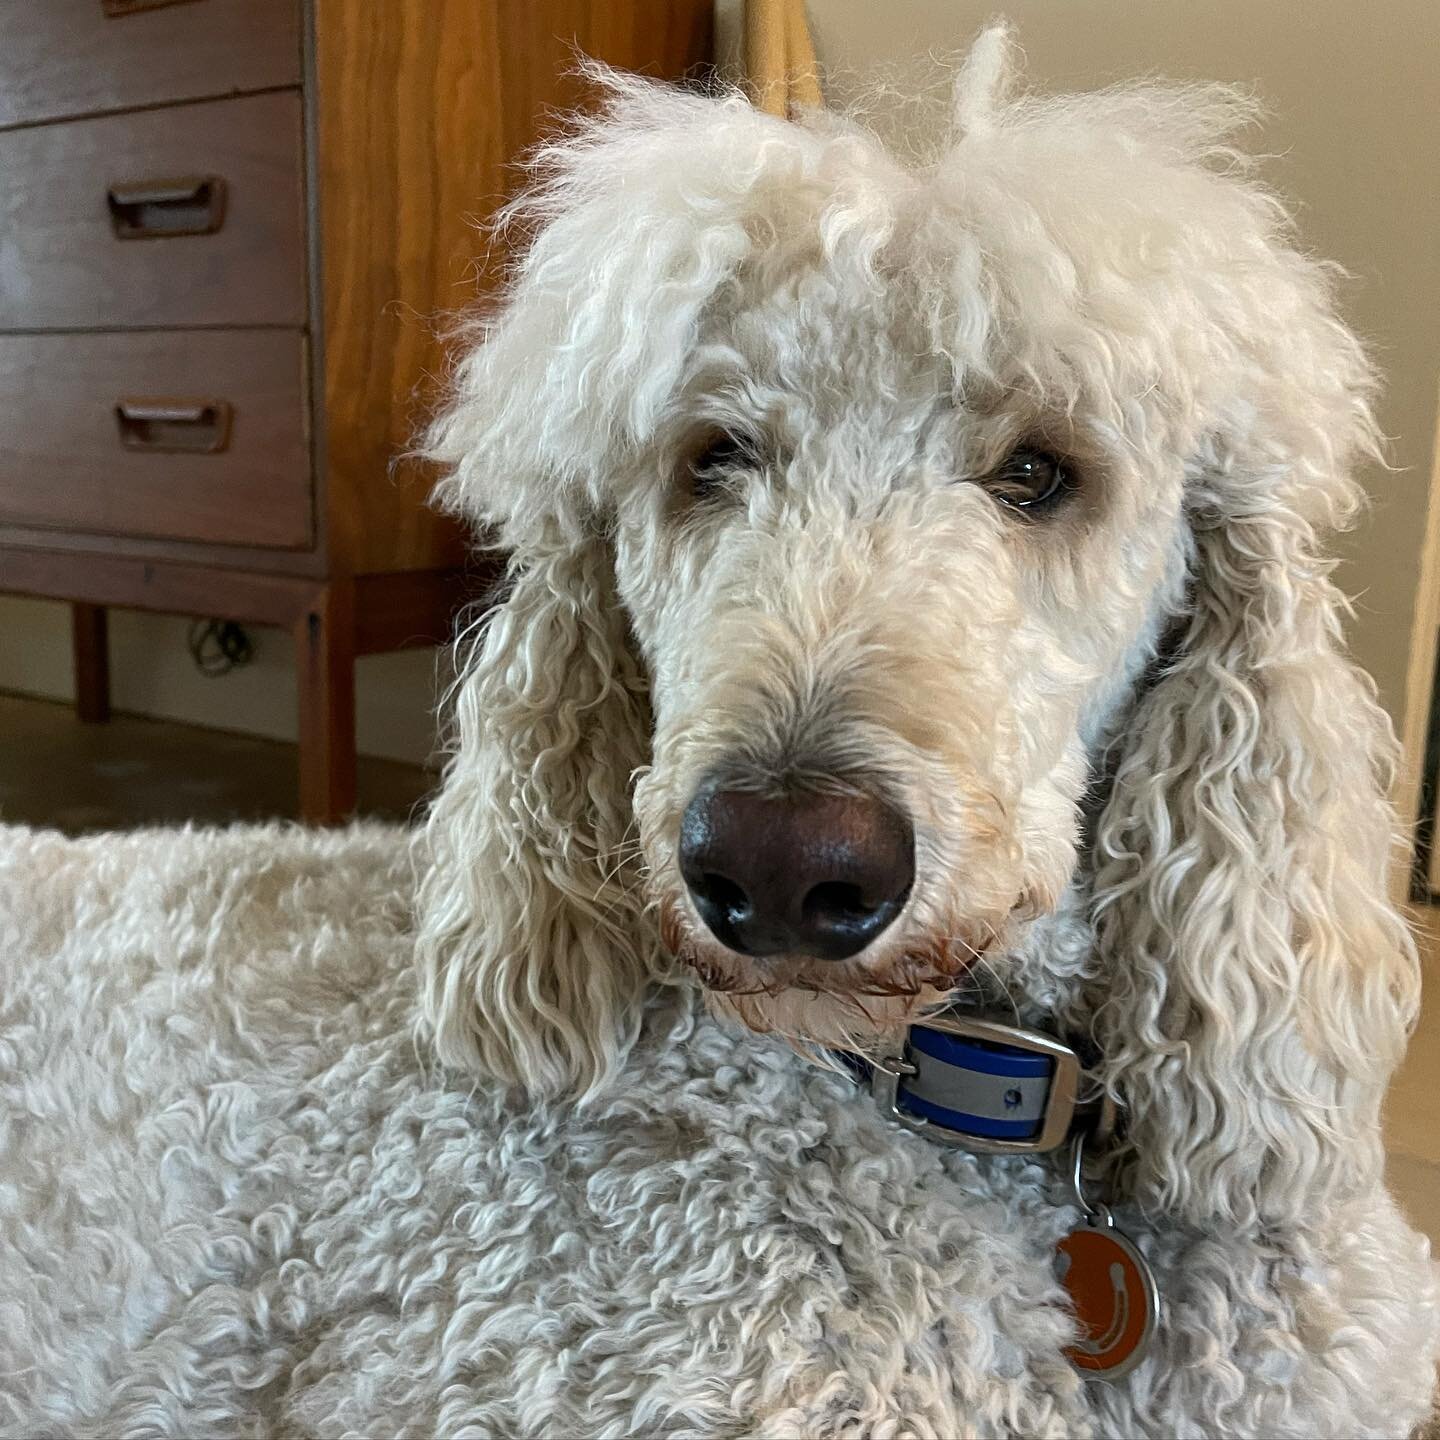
(981, 1085)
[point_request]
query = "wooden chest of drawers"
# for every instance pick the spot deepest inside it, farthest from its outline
(227, 231)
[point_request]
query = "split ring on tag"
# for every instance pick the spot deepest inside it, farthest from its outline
(1110, 1285)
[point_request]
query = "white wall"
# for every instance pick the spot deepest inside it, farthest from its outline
(152, 674)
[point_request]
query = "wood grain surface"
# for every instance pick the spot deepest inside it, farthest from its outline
(172, 589)
(61, 58)
(351, 210)
(63, 464)
(62, 267)
(325, 665)
(423, 107)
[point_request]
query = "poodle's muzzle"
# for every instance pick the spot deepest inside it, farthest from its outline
(800, 874)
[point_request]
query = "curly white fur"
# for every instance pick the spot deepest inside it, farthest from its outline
(237, 1201)
(1101, 274)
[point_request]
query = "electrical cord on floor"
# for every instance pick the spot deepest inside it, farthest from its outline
(219, 646)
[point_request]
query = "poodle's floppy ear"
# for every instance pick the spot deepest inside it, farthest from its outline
(1259, 984)
(532, 946)
(532, 949)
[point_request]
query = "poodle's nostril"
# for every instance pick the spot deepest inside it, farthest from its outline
(818, 875)
(834, 900)
(725, 895)
(839, 921)
(726, 910)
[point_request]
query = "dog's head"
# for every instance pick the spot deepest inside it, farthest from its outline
(849, 502)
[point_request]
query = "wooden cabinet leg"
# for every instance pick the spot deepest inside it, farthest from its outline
(89, 638)
(325, 659)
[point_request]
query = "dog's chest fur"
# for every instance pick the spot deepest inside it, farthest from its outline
(236, 1203)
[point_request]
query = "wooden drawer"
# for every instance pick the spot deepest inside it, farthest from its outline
(93, 216)
(84, 445)
(63, 58)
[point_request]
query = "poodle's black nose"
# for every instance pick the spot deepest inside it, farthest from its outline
(817, 875)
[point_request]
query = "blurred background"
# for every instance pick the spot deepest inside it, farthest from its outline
(230, 231)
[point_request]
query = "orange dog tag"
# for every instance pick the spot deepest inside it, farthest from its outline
(1114, 1295)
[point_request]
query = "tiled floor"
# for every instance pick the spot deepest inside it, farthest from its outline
(55, 771)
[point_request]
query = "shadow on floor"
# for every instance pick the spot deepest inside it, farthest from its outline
(133, 771)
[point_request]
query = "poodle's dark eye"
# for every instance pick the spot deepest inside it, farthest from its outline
(721, 455)
(1030, 479)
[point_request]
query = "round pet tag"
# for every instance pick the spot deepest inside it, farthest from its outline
(1114, 1296)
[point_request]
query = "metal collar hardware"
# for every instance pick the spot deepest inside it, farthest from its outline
(981, 1085)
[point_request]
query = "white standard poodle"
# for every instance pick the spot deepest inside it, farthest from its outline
(918, 597)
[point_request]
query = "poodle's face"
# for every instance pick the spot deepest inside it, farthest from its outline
(886, 619)
(849, 497)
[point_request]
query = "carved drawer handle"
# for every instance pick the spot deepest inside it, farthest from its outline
(195, 427)
(154, 208)
(116, 8)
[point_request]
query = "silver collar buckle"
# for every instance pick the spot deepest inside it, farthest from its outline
(979, 1085)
